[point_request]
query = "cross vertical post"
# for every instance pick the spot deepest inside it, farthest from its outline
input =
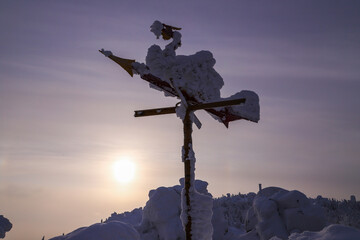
(188, 152)
(189, 177)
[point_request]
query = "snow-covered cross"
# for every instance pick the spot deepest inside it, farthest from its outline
(194, 81)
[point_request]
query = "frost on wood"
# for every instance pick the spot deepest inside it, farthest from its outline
(180, 111)
(201, 214)
(201, 203)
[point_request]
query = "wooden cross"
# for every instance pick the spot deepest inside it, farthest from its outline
(219, 108)
(189, 168)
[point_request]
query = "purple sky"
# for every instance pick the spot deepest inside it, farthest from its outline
(66, 112)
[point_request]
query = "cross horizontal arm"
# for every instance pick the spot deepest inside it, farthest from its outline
(199, 106)
(216, 104)
(154, 112)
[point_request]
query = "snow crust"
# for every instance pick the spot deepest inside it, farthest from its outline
(5, 226)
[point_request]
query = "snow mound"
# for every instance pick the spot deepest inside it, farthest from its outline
(161, 215)
(274, 213)
(331, 232)
(105, 231)
(277, 213)
(5, 226)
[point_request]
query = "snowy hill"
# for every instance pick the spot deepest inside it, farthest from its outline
(273, 213)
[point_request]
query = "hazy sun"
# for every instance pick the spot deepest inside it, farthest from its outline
(124, 170)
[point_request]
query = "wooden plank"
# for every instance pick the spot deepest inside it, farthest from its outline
(210, 105)
(199, 106)
(189, 170)
(154, 112)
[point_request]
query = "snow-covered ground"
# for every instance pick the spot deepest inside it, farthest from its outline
(273, 213)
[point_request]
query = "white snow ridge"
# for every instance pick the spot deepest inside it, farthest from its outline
(273, 213)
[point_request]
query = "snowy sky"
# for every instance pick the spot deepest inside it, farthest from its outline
(66, 112)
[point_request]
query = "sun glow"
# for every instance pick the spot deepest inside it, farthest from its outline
(124, 170)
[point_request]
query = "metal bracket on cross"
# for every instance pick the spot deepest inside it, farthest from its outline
(185, 103)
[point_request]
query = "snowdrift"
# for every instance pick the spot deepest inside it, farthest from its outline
(103, 231)
(331, 232)
(273, 213)
(278, 212)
